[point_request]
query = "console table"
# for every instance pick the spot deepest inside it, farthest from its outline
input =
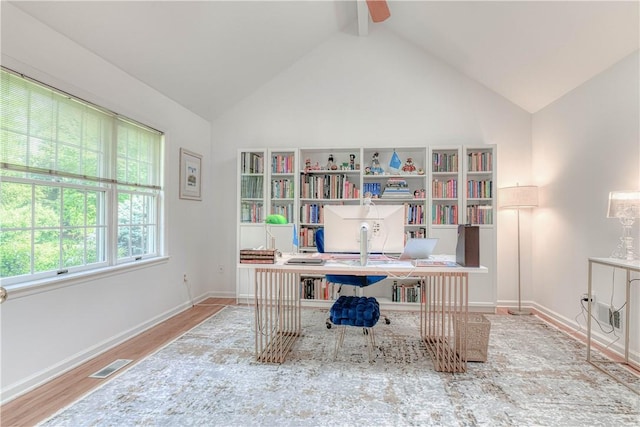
(628, 267)
(443, 307)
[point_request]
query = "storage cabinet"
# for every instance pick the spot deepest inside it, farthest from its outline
(440, 188)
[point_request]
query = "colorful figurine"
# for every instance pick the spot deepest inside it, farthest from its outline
(375, 165)
(409, 167)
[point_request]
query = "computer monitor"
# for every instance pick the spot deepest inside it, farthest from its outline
(384, 226)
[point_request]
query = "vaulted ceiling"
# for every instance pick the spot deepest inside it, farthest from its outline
(208, 55)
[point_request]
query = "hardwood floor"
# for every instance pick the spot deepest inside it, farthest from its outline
(35, 406)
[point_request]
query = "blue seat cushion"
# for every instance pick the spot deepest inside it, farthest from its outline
(355, 311)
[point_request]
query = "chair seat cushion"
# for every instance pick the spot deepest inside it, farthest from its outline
(361, 281)
(355, 311)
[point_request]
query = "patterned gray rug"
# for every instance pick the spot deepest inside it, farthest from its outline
(534, 376)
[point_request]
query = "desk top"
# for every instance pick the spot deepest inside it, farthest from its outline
(377, 266)
(617, 262)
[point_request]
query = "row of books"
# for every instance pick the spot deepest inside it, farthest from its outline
(318, 288)
(312, 213)
(285, 210)
(406, 292)
(375, 188)
(445, 162)
(335, 186)
(251, 187)
(251, 163)
(414, 214)
(415, 234)
(480, 161)
(479, 214)
(444, 214)
(444, 189)
(282, 163)
(282, 189)
(480, 189)
(307, 237)
(251, 212)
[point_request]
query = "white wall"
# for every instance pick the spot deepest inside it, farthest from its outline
(375, 91)
(47, 332)
(584, 145)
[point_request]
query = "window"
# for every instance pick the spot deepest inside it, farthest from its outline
(80, 186)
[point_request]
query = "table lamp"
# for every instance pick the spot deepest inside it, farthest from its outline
(624, 205)
(518, 197)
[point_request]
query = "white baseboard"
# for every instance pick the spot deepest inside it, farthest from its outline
(597, 337)
(28, 384)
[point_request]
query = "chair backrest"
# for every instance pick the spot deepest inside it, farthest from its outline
(320, 240)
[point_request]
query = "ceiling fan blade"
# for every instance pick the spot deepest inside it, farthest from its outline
(378, 9)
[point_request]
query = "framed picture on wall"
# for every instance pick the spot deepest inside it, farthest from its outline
(190, 175)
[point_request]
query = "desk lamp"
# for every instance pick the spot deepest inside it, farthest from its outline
(518, 197)
(625, 205)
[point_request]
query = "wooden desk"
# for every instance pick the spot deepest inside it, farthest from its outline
(628, 267)
(444, 301)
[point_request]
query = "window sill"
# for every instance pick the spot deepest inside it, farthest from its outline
(26, 289)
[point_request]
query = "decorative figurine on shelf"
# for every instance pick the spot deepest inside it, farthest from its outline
(375, 165)
(409, 167)
(331, 165)
(307, 164)
(352, 161)
(367, 171)
(420, 171)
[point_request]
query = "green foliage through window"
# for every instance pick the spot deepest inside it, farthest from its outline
(69, 171)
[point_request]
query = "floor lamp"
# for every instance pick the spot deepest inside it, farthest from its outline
(518, 197)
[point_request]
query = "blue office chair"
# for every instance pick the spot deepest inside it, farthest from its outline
(345, 279)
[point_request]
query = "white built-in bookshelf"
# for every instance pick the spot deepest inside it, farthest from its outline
(441, 187)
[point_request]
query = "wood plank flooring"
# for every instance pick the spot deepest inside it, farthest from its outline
(42, 402)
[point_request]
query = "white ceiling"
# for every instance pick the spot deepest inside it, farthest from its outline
(208, 55)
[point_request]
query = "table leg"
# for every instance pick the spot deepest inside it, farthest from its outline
(443, 320)
(277, 314)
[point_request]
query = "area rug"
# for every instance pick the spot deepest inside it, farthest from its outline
(535, 375)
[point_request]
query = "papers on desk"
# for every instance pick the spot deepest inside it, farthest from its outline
(434, 263)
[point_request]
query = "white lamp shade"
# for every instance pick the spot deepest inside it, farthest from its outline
(519, 197)
(624, 204)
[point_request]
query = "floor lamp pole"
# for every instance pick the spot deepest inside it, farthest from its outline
(519, 311)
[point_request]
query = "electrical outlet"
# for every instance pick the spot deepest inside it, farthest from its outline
(184, 277)
(220, 268)
(585, 298)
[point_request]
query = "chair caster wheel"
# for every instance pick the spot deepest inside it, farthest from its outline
(328, 325)
(387, 321)
(365, 331)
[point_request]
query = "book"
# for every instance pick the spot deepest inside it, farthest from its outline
(257, 261)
